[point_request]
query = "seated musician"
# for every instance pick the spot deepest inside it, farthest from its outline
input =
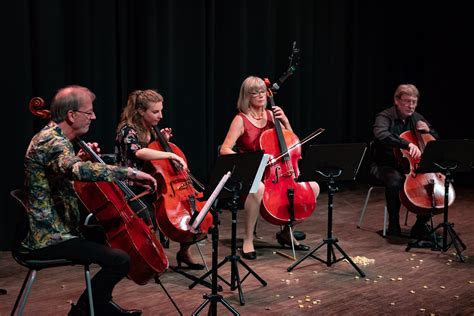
(244, 133)
(51, 166)
(135, 132)
(388, 126)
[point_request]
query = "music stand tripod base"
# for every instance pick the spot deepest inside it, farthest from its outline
(447, 157)
(345, 161)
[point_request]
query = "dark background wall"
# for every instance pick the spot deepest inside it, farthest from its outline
(196, 53)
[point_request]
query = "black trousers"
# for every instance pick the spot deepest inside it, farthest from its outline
(115, 264)
(393, 179)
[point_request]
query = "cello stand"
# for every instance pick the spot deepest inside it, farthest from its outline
(330, 242)
(445, 225)
(233, 258)
(214, 297)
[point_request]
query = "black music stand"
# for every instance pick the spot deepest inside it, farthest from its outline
(247, 170)
(447, 157)
(324, 163)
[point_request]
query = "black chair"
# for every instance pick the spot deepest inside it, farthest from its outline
(25, 258)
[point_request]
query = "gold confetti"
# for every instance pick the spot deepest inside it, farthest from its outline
(307, 296)
(301, 306)
(290, 273)
(422, 310)
(392, 279)
(425, 286)
(442, 286)
(362, 260)
(412, 291)
(411, 259)
(456, 296)
(367, 279)
(310, 306)
(399, 279)
(356, 277)
(277, 295)
(291, 296)
(471, 282)
(300, 301)
(375, 281)
(315, 272)
(392, 304)
(307, 299)
(379, 276)
(421, 260)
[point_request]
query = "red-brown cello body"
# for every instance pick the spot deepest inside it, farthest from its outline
(423, 193)
(284, 201)
(124, 230)
(179, 199)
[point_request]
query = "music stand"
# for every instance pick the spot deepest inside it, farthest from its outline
(247, 170)
(447, 157)
(324, 163)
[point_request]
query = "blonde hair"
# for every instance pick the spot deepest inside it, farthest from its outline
(249, 85)
(138, 100)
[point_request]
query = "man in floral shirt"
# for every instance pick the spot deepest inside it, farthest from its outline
(51, 166)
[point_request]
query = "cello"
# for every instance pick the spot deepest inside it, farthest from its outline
(179, 200)
(110, 203)
(285, 201)
(423, 193)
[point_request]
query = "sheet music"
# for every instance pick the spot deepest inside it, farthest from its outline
(210, 201)
(259, 174)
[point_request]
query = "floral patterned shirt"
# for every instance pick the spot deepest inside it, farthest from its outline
(51, 166)
(126, 146)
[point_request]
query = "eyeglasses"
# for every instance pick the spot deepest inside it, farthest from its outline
(89, 115)
(409, 101)
(257, 93)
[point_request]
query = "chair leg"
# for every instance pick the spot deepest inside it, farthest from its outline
(24, 292)
(87, 274)
(362, 213)
(385, 215)
(406, 218)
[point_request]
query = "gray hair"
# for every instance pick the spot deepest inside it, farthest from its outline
(250, 84)
(69, 99)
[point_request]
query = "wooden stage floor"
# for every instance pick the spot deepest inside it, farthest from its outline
(418, 282)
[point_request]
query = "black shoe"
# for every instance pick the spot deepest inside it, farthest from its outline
(422, 231)
(394, 229)
(113, 309)
(192, 266)
(249, 255)
(283, 242)
(299, 235)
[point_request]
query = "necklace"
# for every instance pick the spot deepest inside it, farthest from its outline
(255, 115)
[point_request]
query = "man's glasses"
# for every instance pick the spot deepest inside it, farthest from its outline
(260, 92)
(87, 114)
(408, 101)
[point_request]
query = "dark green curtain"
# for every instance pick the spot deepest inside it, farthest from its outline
(196, 53)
